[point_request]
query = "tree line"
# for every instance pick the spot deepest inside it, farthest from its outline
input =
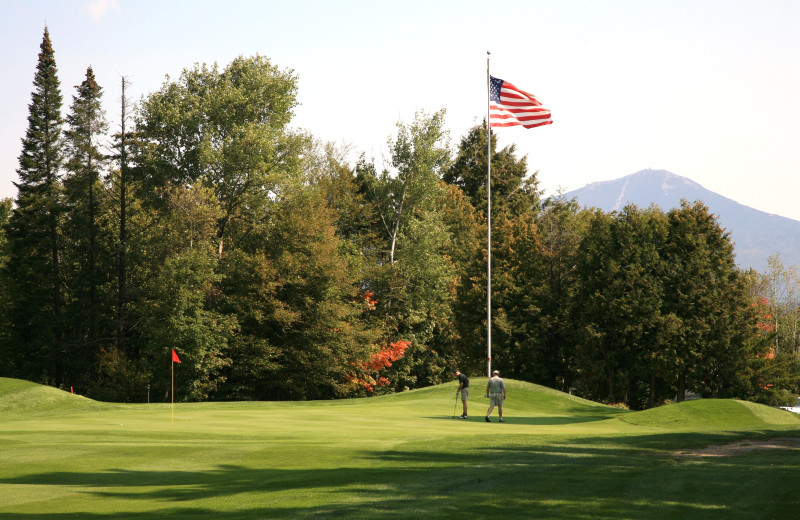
(277, 269)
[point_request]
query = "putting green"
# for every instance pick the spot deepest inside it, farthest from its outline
(398, 456)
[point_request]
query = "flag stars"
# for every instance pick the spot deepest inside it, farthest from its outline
(494, 89)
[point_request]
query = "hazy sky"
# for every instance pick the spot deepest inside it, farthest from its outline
(709, 90)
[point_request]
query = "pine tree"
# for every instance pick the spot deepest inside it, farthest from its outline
(122, 195)
(513, 190)
(83, 195)
(33, 270)
(515, 197)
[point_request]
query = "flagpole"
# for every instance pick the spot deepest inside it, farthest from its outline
(488, 220)
(173, 390)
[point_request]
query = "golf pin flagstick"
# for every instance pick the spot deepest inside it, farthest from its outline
(175, 359)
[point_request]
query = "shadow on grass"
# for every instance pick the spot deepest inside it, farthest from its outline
(544, 420)
(602, 477)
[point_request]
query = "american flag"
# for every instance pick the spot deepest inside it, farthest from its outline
(510, 106)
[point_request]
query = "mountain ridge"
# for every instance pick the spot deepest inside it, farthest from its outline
(756, 234)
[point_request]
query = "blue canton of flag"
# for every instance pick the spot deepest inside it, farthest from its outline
(494, 89)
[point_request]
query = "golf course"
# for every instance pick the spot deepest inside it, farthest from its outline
(396, 456)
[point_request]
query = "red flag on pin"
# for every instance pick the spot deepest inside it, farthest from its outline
(175, 358)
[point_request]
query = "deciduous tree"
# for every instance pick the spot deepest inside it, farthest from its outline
(229, 130)
(416, 287)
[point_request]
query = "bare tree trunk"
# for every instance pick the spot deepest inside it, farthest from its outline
(123, 231)
(92, 260)
(52, 180)
(681, 388)
(610, 380)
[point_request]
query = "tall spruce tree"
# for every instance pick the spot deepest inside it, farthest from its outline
(33, 269)
(121, 188)
(513, 190)
(83, 194)
(5, 214)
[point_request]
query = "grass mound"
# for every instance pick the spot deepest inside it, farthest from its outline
(529, 396)
(19, 397)
(713, 414)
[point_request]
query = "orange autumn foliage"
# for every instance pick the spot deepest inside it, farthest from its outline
(380, 360)
(387, 355)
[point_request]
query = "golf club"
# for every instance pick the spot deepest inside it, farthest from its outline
(454, 407)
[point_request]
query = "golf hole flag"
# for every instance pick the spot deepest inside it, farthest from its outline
(510, 106)
(175, 359)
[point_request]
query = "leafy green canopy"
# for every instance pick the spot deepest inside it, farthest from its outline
(280, 271)
(228, 130)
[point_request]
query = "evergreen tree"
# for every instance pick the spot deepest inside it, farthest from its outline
(83, 190)
(34, 268)
(515, 203)
(466, 249)
(706, 293)
(517, 267)
(299, 305)
(562, 225)
(5, 214)
(122, 190)
(512, 189)
(624, 336)
(129, 260)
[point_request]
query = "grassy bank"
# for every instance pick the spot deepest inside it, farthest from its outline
(399, 456)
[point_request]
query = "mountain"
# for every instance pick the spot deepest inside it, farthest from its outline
(756, 234)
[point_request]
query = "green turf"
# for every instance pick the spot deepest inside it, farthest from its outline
(402, 456)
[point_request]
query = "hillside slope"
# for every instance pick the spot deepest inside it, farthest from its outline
(19, 397)
(713, 414)
(527, 404)
(756, 234)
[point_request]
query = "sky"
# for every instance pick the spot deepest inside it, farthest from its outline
(707, 89)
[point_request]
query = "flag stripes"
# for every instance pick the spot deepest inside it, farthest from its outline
(510, 106)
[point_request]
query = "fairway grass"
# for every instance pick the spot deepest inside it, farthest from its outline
(389, 457)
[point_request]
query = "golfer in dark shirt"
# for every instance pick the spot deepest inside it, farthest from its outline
(463, 387)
